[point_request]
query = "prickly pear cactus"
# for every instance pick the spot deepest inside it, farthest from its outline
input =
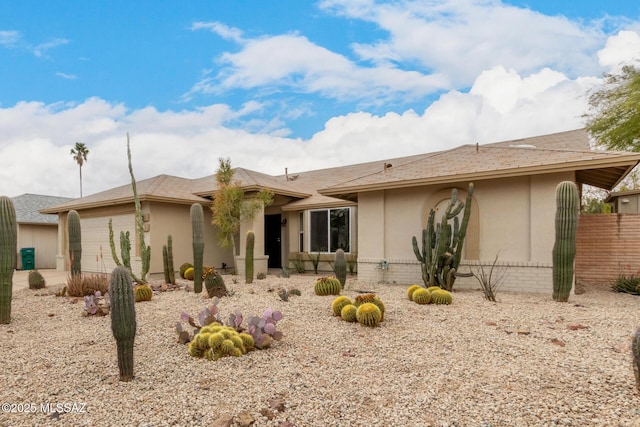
(123, 319)
(8, 254)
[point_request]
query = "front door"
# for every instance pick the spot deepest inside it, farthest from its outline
(273, 240)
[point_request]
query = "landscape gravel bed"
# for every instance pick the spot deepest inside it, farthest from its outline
(523, 361)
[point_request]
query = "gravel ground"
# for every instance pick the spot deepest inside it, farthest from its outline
(524, 361)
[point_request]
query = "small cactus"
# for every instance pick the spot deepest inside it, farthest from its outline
(123, 319)
(251, 239)
(189, 273)
(421, 296)
(36, 281)
(327, 286)
(411, 290)
(348, 313)
(214, 284)
(339, 303)
(142, 293)
(369, 314)
(184, 268)
(370, 298)
(440, 296)
(340, 267)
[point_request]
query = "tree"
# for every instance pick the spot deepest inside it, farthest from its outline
(615, 110)
(230, 207)
(80, 153)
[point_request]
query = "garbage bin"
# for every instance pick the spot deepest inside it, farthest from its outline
(28, 257)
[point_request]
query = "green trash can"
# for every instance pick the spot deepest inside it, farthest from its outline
(28, 257)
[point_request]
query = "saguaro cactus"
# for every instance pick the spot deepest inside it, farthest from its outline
(442, 244)
(564, 248)
(197, 228)
(340, 267)
(172, 270)
(635, 353)
(123, 319)
(8, 250)
(75, 242)
(251, 240)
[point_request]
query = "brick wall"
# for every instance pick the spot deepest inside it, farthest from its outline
(607, 245)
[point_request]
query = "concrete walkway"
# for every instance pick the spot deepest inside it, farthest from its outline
(51, 277)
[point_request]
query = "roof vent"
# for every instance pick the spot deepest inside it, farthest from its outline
(522, 146)
(386, 166)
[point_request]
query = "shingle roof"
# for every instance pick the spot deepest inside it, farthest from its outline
(27, 208)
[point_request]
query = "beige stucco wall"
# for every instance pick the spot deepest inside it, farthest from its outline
(514, 216)
(41, 237)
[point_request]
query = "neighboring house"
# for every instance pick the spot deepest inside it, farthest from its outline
(371, 210)
(37, 231)
(624, 201)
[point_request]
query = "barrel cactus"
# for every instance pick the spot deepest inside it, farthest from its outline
(327, 286)
(369, 314)
(8, 251)
(564, 248)
(411, 290)
(36, 281)
(75, 242)
(214, 283)
(370, 298)
(184, 268)
(421, 296)
(251, 240)
(348, 313)
(441, 296)
(339, 303)
(197, 228)
(340, 267)
(123, 319)
(189, 273)
(142, 292)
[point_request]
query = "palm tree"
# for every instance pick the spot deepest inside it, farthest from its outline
(80, 152)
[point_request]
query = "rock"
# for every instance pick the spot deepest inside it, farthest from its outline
(557, 342)
(277, 404)
(224, 421)
(245, 419)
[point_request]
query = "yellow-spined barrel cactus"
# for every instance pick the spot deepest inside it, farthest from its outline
(184, 267)
(370, 298)
(369, 314)
(215, 341)
(338, 303)
(348, 313)
(433, 288)
(188, 273)
(421, 296)
(142, 293)
(440, 296)
(411, 290)
(327, 286)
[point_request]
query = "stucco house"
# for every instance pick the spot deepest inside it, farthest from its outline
(371, 210)
(37, 232)
(624, 202)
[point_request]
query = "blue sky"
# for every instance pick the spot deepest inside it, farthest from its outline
(297, 84)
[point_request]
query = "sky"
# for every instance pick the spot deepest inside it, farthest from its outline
(275, 84)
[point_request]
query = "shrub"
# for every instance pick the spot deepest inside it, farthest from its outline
(80, 285)
(627, 284)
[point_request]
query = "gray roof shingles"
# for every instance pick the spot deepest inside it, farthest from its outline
(27, 208)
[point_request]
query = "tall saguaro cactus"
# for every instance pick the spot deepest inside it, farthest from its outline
(564, 248)
(75, 242)
(8, 250)
(442, 244)
(251, 240)
(123, 319)
(197, 228)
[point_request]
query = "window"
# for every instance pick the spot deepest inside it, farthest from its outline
(301, 231)
(329, 230)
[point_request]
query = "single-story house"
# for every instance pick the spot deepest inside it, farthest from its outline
(371, 210)
(37, 232)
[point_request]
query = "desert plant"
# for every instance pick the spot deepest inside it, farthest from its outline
(340, 267)
(170, 265)
(327, 286)
(352, 262)
(189, 274)
(629, 284)
(197, 230)
(412, 289)
(142, 292)
(184, 268)
(295, 291)
(251, 239)
(315, 261)
(165, 263)
(97, 304)
(214, 283)
(123, 319)
(564, 248)
(298, 264)
(83, 284)
(338, 304)
(491, 281)
(285, 273)
(635, 352)
(36, 281)
(370, 298)
(145, 251)
(261, 276)
(348, 313)
(441, 296)
(421, 296)
(284, 295)
(442, 244)
(75, 242)
(8, 251)
(368, 314)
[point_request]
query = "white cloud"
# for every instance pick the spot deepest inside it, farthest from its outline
(622, 48)
(224, 31)
(66, 76)
(9, 38)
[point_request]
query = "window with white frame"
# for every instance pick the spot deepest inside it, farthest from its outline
(330, 230)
